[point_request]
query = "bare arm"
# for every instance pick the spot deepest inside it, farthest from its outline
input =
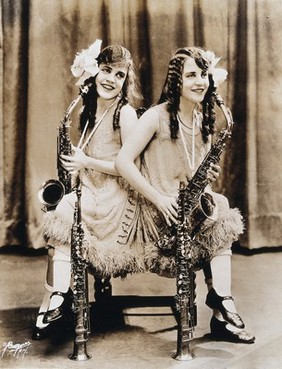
(125, 164)
(128, 120)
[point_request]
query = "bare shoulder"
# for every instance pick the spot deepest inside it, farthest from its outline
(151, 118)
(151, 113)
(128, 120)
(128, 111)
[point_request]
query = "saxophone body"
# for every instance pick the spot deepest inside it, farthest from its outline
(80, 284)
(198, 204)
(184, 299)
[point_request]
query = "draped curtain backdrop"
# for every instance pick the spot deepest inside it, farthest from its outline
(39, 40)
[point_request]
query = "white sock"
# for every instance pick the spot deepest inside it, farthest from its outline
(62, 275)
(44, 306)
(221, 277)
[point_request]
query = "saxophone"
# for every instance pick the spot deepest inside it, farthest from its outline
(53, 190)
(199, 205)
(194, 207)
(80, 284)
(184, 300)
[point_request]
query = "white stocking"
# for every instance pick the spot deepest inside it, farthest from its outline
(44, 306)
(62, 274)
(221, 277)
(48, 289)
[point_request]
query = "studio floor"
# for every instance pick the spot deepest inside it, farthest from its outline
(136, 329)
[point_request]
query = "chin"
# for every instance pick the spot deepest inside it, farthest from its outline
(199, 98)
(107, 95)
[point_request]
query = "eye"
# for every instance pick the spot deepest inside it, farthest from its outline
(204, 74)
(106, 69)
(120, 75)
(190, 75)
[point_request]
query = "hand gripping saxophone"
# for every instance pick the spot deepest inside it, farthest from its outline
(53, 190)
(199, 205)
(194, 207)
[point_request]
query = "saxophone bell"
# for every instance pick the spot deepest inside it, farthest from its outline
(51, 193)
(206, 208)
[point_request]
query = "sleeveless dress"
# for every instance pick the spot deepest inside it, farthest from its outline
(109, 211)
(164, 165)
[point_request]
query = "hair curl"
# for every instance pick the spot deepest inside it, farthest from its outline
(172, 89)
(113, 54)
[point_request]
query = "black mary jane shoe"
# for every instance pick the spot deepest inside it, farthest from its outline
(58, 312)
(214, 301)
(220, 332)
(40, 333)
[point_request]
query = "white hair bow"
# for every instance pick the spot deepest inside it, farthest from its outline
(219, 75)
(85, 64)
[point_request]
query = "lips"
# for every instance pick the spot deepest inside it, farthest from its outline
(107, 87)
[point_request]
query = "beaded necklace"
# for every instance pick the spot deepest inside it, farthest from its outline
(191, 159)
(94, 128)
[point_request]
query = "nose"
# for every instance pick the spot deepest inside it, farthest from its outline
(110, 77)
(200, 80)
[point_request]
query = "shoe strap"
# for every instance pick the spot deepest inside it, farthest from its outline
(59, 293)
(227, 298)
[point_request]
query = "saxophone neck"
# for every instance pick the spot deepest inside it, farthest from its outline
(66, 118)
(226, 112)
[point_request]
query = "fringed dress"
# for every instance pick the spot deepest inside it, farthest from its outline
(164, 165)
(109, 210)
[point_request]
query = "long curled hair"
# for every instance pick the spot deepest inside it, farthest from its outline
(172, 90)
(113, 54)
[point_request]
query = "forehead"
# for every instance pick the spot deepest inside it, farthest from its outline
(190, 65)
(116, 67)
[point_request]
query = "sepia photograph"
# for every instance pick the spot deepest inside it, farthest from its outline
(140, 184)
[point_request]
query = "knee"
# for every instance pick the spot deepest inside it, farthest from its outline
(62, 253)
(51, 251)
(65, 207)
(227, 252)
(223, 203)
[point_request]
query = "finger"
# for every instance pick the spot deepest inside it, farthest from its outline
(173, 212)
(174, 219)
(215, 168)
(66, 164)
(66, 157)
(211, 178)
(166, 217)
(171, 217)
(215, 174)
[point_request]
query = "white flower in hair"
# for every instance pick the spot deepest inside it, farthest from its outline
(85, 64)
(219, 75)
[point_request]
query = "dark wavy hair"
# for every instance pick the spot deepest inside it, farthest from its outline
(113, 54)
(171, 92)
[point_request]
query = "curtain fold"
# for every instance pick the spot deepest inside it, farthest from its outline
(39, 40)
(264, 130)
(14, 87)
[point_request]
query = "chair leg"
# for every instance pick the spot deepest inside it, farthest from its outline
(102, 288)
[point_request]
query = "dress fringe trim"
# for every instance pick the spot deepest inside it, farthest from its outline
(116, 260)
(210, 241)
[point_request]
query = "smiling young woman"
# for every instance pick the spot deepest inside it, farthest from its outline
(173, 138)
(109, 206)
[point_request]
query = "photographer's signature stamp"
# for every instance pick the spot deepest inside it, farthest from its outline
(16, 350)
